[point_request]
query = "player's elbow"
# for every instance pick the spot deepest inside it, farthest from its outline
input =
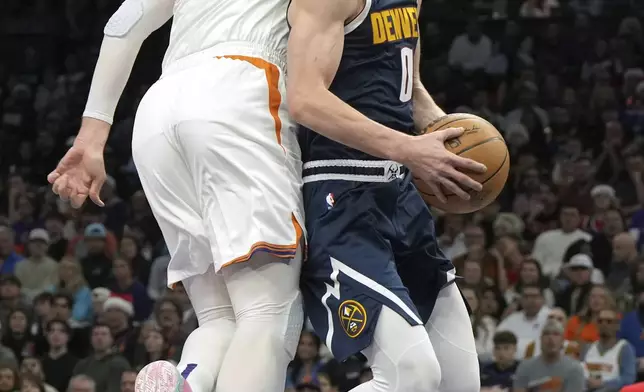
(300, 104)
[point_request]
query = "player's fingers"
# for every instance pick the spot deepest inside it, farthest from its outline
(467, 164)
(59, 184)
(65, 193)
(450, 185)
(95, 191)
(438, 192)
(465, 180)
(53, 176)
(77, 200)
(449, 133)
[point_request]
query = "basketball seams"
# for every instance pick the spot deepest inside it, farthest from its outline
(461, 116)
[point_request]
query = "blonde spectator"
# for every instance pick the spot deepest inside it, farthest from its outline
(72, 282)
(508, 224)
(583, 327)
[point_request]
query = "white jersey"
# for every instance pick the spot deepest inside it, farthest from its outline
(255, 28)
(604, 366)
(202, 24)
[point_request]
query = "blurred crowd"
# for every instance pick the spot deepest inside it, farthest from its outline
(553, 271)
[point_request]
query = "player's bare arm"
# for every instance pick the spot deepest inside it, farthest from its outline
(81, 172)
(314, 53)
(425, 109)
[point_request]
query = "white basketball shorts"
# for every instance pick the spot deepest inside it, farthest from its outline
(218, 159)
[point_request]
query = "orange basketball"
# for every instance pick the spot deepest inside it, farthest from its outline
(481, 142)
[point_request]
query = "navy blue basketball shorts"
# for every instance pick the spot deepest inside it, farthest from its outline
(370, 243)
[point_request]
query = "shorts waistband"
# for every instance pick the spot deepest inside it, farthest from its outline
(352, 170)
(232, 48)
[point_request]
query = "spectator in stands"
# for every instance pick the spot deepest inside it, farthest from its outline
(550, 246)
(118, 313)
(155, 346)
(530, 273)
(570, 348)
(9, 377)
(29, 383)
(583, 327)
(37, 272)
(82, 383)
(97, 266)
(126, 286)
(630, 329)
(62, 304)
(8, 256)
(55, 225)
(104, 366)
(327, 383)
(99, 296)
(130, 251)
(72, 282)
(579, 271)
(33, 367)
(500, 373)
(610, 362)
(526, 324)
(18, 337)
(624, 263)
(58, 363)
(10, 296)
(169, 316)
(483, 326)
(551, 370)
(307, 364)
(471, 51)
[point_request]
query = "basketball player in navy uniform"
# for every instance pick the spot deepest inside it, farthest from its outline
(375, 280)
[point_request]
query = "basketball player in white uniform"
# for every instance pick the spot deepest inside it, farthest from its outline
(219, 162)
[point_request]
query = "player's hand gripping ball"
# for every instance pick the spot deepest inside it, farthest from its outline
(481, 142)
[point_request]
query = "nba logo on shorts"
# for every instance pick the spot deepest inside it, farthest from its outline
(353, 317)
(330, 201)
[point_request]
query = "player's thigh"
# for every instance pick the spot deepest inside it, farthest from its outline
(401, 356)
(209, 296)
(450, 332)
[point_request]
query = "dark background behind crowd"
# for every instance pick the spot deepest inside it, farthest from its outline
(553, 270)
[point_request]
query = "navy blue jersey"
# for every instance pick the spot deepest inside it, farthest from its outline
(375, 75)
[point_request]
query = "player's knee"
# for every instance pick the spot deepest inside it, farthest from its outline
(419, 370)
(274, 325)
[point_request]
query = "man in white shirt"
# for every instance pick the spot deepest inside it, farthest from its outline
(526, 324)
(550, 246)
(470, 51)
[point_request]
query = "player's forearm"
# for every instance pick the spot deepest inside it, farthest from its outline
(425, 109)
(125, 32)
(327, 115)
(111, 74)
